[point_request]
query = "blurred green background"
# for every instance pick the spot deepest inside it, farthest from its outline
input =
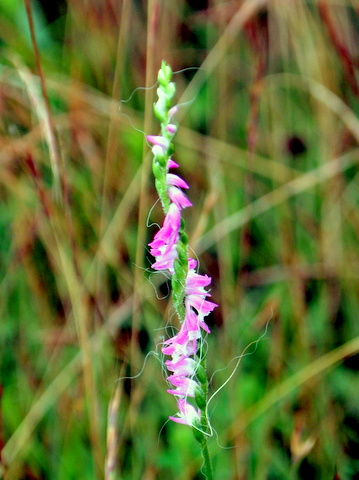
(268, 141)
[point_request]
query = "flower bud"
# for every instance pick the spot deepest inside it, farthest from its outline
(167, 71)
(198, 435)
(162, 78)
(170, 90)
(159, 156)
(171, 128)
(200, 398)
(201, 375)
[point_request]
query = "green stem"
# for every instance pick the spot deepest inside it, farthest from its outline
(201, 438)
(207, 460)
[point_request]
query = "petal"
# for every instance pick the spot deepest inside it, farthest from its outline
(181, 420)
(194, 279)
(172, 111)
(188, 415)
(200, 304)
(185, 386)
(158, 140)
(183, 366)
(171, 128)
(195, 284)
(172, 164)
(192, 264)
(179, 347)
(165, 262)
(188, 410)
(175, 180)
(178, 197)
(194, 321)
(173, 217)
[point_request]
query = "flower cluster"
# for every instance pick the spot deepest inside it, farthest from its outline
(169, 247)
(187, 372)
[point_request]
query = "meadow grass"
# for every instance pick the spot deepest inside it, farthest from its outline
(268, 141)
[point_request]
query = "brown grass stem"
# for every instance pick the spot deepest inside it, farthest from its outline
(247, 9)
(53, 147)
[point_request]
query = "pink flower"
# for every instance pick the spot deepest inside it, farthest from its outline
(171, 128)
(172, 111)
(175, 194)
(182, 344)
(192, 264)
(183, 366)
(195, 284)
(193, 321)
(187, 414)
(172, 164)
(165, 262)
(203, 307)
(178, 198)
(158, 140)
(185, 386)
(163, 246)
(175, 180)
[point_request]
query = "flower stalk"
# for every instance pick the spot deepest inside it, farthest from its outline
(169, 247)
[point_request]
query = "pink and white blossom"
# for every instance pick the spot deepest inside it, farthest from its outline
(183, 366)
(185, 385)
(187, 415)
(163, 246)
(171, 128)
(159, 140)
(175, 180)
(172, 164)
(178, 198)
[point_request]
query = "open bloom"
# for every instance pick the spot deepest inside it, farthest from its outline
(184, 344)
(178, 198)
(159, 140)
(163, 246)
(185, 386)
(187, 415)
(175, 193)
(183, 366)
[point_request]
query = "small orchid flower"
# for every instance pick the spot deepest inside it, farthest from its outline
(185, 386)
(178, 198)
(171, 128)
(172, 164)
(183, 366)
(187, 415)
(175, 180)
(159, 140)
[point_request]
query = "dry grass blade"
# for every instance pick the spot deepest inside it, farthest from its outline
(320, 366)
(247, 9)
(302, 183)
(44, 111)
(112, 435)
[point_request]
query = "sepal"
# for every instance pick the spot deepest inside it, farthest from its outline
(201, 375)
(158, 171)
(200, 398)
(198, 435)
(170, 90)
(160, 111)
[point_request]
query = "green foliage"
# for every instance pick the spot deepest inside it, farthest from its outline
(267, 139)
